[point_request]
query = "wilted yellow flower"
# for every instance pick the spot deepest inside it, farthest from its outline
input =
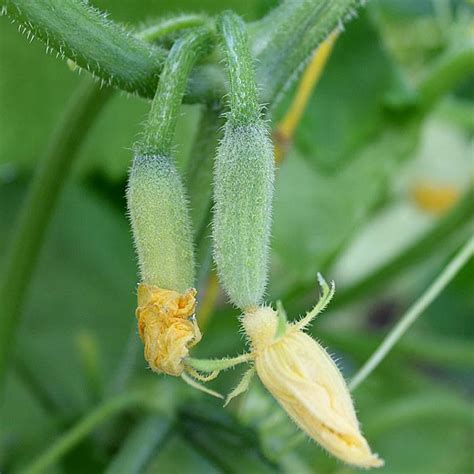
(306, 382)
(167, 327)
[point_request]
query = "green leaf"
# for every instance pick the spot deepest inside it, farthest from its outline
(180, 456)
(31, 106)
(316, 214)
(446, 442)
(139, 446)
(85, 281)
(346, 109)
(231, 447)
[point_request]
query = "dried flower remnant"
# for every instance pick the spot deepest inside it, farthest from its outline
(167, 327)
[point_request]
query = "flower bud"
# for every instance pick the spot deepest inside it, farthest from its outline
(306, 382)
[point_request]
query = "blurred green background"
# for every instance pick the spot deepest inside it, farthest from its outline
(358, 189)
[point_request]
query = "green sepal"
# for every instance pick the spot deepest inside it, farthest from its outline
(282, 320)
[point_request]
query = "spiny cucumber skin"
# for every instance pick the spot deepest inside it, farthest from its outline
(243, 190)
(160, 221)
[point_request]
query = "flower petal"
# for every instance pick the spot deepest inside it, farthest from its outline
(166, 327)
(306, 382)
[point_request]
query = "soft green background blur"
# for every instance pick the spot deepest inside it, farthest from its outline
(344, 204)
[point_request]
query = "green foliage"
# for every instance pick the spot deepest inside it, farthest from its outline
(355, 159)
(352, 93)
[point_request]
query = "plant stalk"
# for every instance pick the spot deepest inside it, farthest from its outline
(453, 267)
(160, 126)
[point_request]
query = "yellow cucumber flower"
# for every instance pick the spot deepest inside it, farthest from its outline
(167, 327)
(302, 377)
(306, 382)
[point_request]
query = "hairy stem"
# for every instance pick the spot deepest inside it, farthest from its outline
(85, 35)
(284, 41)
(40, 202)
(161, 123)
(243, 102)
(172, 25)
(458, 261)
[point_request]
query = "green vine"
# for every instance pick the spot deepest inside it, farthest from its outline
(86, 36)
(282, 43)
(453, 267)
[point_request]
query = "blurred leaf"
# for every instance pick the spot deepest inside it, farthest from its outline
(447, 445)
(139, 446)
(347, 108)
(24, 424)
(231, 447)
(314, 215)
(179, 456)
(422, 406)
(34, 86)
(84, 282)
